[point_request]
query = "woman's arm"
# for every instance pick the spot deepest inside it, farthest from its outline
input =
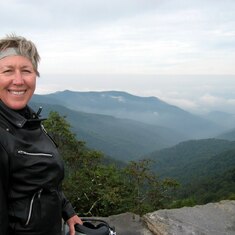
(69, 215)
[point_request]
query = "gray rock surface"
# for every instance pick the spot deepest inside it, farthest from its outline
(128, 224)
(124, 224)
(210, 219)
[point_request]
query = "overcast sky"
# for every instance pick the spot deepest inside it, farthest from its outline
(145, 47)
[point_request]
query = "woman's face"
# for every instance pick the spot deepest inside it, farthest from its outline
(17, 81)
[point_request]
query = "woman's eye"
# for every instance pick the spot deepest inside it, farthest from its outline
(27, 71)
(7, 71)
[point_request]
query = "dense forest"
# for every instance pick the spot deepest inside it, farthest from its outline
(208, 189)
(99, 186)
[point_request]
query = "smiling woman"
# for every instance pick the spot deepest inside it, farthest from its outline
(17, 81)
(31, 169)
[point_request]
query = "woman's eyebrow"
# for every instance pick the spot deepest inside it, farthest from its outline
(11, 66)
(26, 66)
(3, 66)
(6, 66)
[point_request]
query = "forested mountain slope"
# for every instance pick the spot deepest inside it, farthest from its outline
(121, 139)
(194, 159)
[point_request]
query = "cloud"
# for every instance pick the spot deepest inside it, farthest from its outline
(211, 100)
(185, 104)
(68, 14)
(134, 36)
(231, 101)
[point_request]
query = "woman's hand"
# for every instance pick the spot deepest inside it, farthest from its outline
(71, 222)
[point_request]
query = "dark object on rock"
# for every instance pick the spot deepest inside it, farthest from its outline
(93, 226)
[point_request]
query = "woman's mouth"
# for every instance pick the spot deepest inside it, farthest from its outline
(17, 92)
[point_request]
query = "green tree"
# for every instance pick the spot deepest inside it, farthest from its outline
(60, 131)
(98, 188)
(92, 187)
(149, 192)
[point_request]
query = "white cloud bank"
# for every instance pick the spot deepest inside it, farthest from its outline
(134, 36)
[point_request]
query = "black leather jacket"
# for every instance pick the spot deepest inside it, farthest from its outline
(31, 172)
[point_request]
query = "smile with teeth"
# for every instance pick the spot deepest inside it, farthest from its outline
(17, 92)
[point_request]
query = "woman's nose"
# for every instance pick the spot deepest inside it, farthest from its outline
(18, 79)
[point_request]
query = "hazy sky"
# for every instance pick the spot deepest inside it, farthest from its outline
(145, 47)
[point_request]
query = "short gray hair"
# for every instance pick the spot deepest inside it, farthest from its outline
(23, 46)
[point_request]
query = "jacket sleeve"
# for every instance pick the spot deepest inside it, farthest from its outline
(4, 178)
(67, 208)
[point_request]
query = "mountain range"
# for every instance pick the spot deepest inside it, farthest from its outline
(149, 110)
(125, 126)
(122, 139)
(189, 148)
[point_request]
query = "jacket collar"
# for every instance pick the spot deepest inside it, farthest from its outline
(14, 117)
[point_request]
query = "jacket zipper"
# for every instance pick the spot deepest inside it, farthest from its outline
(38, 194)
(34, 154)
(48, 136)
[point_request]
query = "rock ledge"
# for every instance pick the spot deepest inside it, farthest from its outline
(210, 219)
